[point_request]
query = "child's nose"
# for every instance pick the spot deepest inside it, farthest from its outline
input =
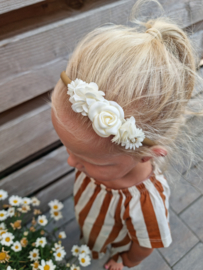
(74, 162)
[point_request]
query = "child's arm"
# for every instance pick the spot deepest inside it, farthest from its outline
(135, 255)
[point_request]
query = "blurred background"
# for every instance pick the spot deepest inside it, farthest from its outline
(36, 39)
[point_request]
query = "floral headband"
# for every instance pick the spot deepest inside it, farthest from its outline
(107, 116)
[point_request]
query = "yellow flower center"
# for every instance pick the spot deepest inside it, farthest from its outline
(76, 250)
(15, 201)
(3, 232)
(7, 239)
(17, 224)
(56, 213)
(41, 241)
(83, 260)
(1, 195)
(55, 207)
(2, 215)
(16, 247)
(59, 254)
(24, 241)
(47, 267)
(34, 255)
(83, 251)
(36, 265)
(2, 256)
(41, 221)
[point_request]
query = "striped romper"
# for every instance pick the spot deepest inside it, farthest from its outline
(112, 218)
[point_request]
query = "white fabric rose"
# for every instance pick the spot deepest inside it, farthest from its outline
(107, 117)
(129, 135)
(83, 95)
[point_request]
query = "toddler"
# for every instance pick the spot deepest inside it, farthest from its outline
(119, 118)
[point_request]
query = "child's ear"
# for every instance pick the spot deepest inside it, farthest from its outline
(159, 151)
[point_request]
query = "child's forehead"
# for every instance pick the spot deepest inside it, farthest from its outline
(84, 144)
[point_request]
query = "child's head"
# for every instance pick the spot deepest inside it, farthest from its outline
(150, 74)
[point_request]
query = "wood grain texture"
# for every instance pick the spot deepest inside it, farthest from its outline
(9, 5)
(60, 190)
(37, 174)
(24, 55)
(26, 135)
(31, 84)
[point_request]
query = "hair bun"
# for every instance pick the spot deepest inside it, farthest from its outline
(155, 33)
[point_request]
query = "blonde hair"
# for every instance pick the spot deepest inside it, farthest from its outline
(151, 74)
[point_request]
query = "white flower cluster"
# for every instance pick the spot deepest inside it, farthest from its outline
(83, 254)
(55, 209)
(107, 116)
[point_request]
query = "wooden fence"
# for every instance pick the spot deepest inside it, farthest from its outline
(36, 39)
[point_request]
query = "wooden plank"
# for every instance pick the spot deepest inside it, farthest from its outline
(26, 135)
(27, 50)
(37, 174)
(40, 14)
(31, 84)
(60, 190)
(9, 5)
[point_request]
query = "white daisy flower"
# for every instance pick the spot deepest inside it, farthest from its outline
(34, 255)
(57, 246)
(62, 235)
(2, 226)
(56, 215)
(3, 215)
(26, 201)
(16, 246)
(84, 259)
(48, 265)
(85, 249)
(1, 233)
(74, 267)
(11, 211)
(24, 208)
(75, 250)
(15, 200)
(35, 201)
(7, 239)
(59, 254)
(42, 220)
(9, 268)
(35, 265)
(3, 194)
(41, 241)
(55, 205)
